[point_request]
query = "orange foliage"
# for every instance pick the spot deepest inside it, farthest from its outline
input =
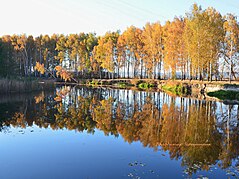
(39, 98)
(61, 94)
(40, 68)
(66, 76)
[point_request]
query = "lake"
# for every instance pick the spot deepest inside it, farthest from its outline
(80, 132)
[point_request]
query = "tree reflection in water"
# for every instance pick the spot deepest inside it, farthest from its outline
(201, 133)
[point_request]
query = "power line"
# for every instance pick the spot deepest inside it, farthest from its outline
(112, 5)
(150, 12)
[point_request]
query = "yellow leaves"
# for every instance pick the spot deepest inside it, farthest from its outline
(152, 38)
(40, 68)
(45, 54)
(58, 69)
(19, 42)
(231, 28)
(173, 45)
(63, 74)
(58, 98)
(103, 111)
(104, 52)
(19, 120)
(19, 117)
(39, 98)
(61, 94)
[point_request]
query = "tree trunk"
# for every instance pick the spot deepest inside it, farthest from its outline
(128, 69)
(141, 69)
(160, 67)
(230, 70)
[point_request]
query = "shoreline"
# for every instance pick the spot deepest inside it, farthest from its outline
(174, 87)
(14, 86)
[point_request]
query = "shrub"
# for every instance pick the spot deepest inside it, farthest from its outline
(146, 85)
(223, 95)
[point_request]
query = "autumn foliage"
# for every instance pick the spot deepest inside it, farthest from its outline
(40, 68)
(202, 45)
(63, 74)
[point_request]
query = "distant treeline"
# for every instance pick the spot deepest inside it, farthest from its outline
(203, 45)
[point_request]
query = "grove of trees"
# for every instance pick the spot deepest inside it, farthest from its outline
(202, 45)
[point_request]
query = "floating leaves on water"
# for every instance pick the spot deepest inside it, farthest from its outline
(130, 175)
(21, 131)
(202, 177)
(233, 171)
(142, 164)
(138, 171)
(151, 171)
(230, 173)
(136, 163)
(234, 174)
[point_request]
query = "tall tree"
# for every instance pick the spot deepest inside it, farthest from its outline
(23, 46)
(153, 46)
(7, 58)
(214, 39)
(174, 48)
(105, 52)
(203, 39)
(196, 45)
(231, 44)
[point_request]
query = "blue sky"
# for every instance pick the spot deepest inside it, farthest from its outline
(73, 16)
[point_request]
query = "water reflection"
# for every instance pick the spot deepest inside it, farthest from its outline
(199, 133)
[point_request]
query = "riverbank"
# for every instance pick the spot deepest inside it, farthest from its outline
(24, 85)
(176, 87)
(191, 85)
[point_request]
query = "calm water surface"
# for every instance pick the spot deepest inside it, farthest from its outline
(107, 133)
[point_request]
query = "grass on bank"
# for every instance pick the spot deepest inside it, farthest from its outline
(95, 83)
(225, 95)
(146, 85)
(124, 85)
(177, 89)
